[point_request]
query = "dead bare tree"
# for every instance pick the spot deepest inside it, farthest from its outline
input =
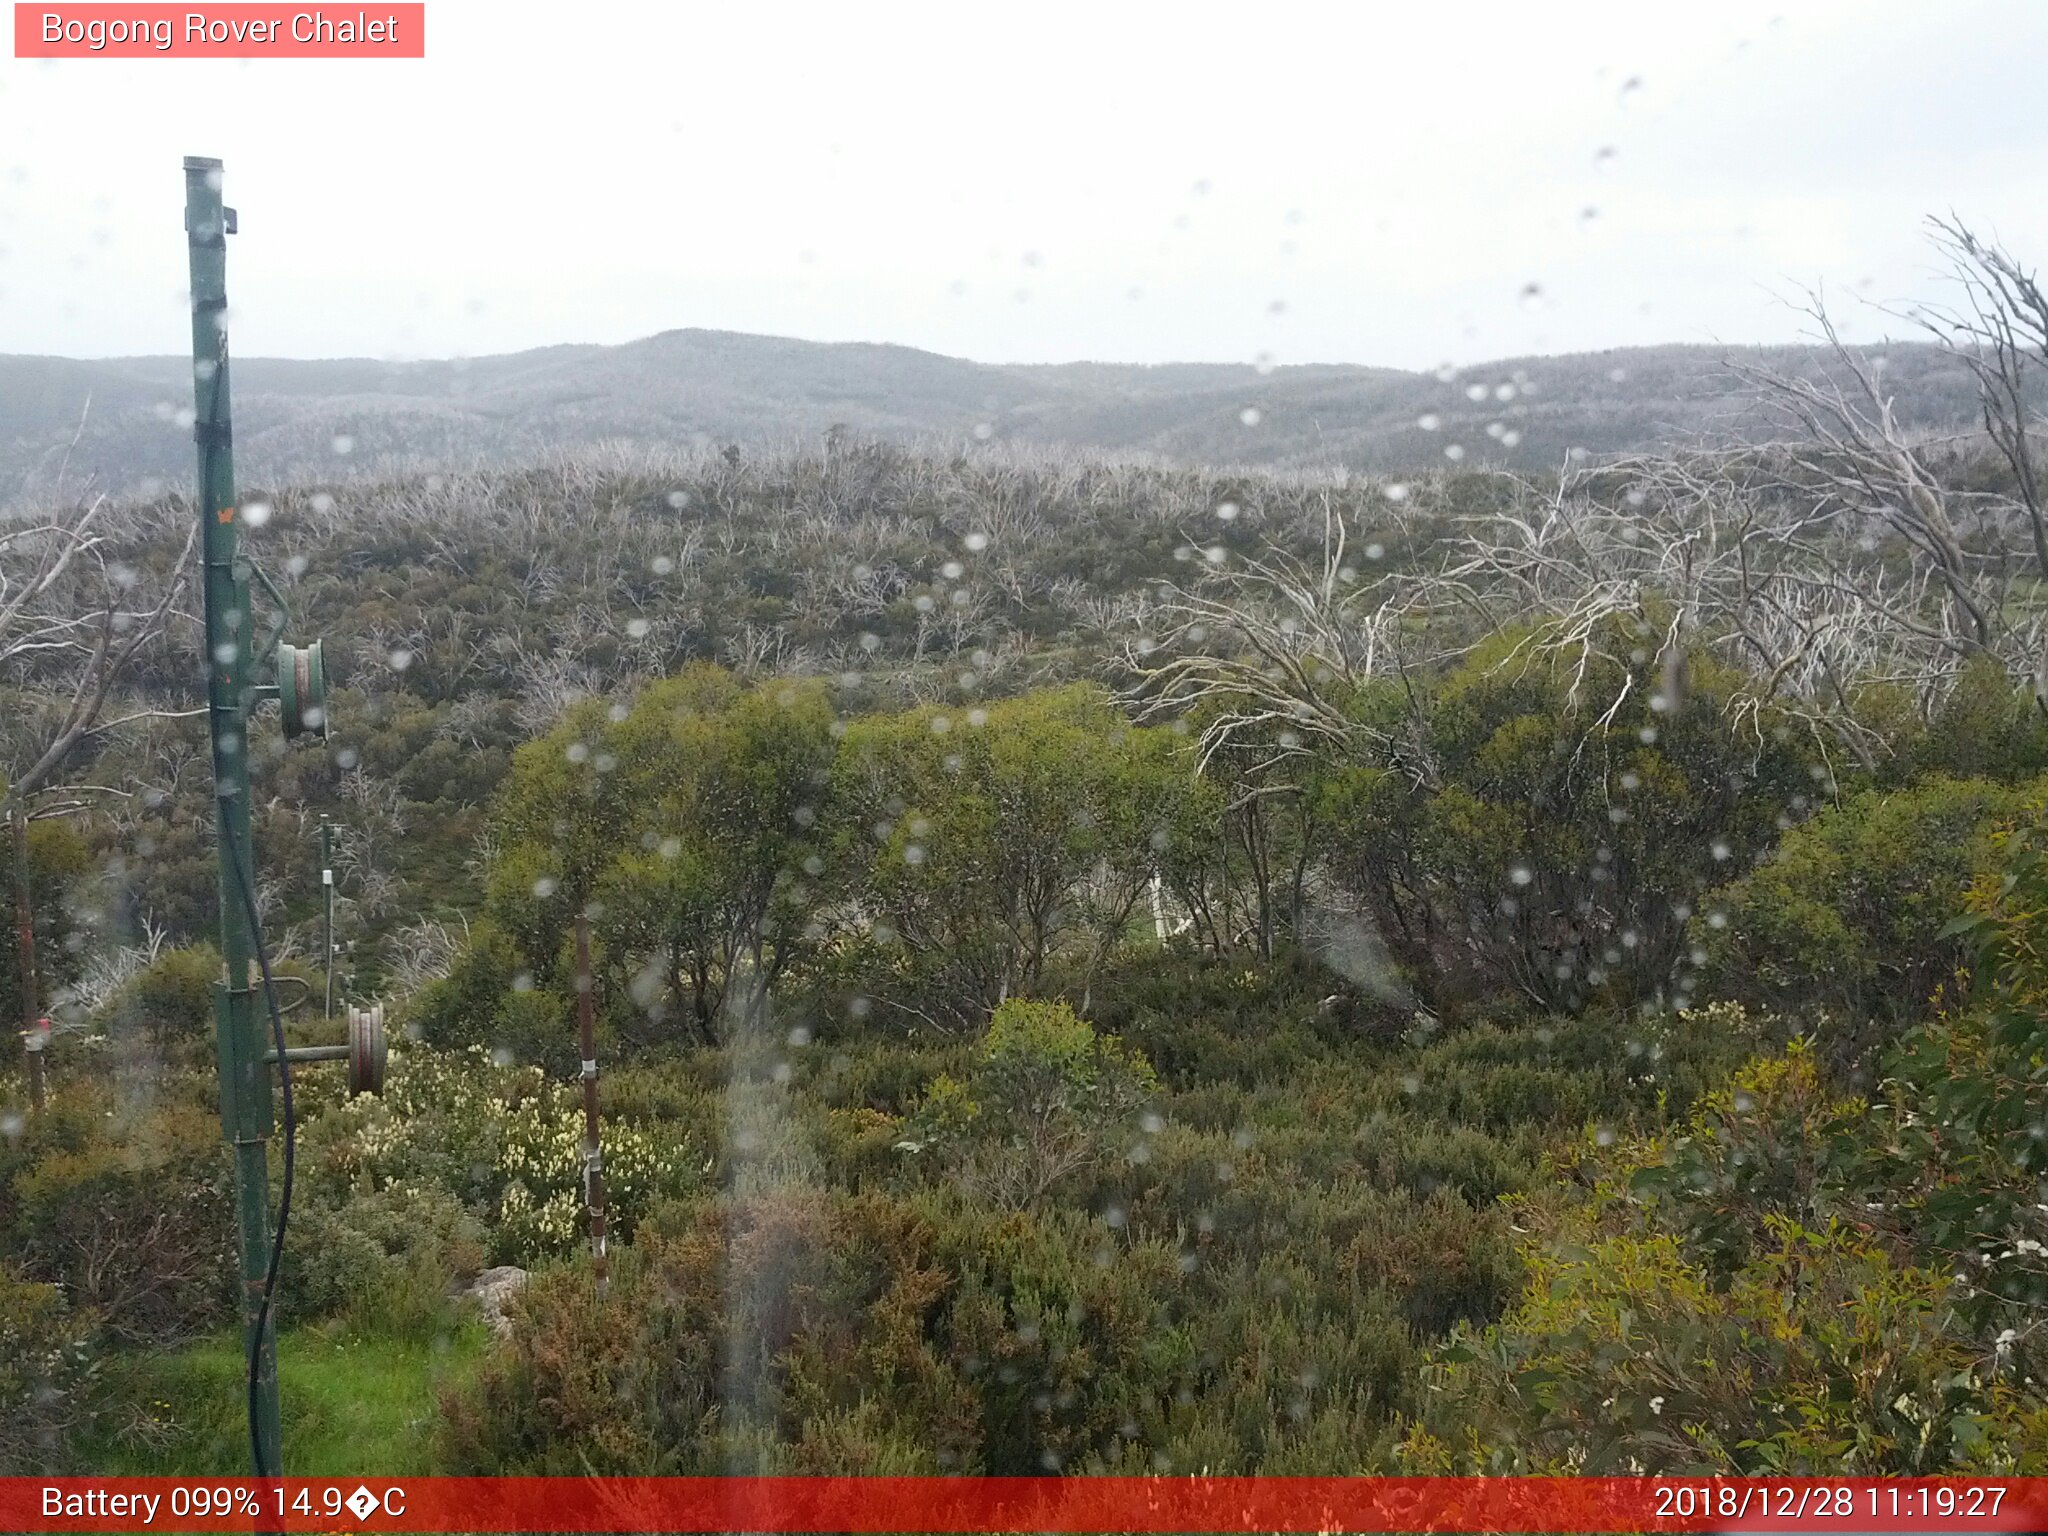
(1834, 565)
(74, 615)
(1999, 330)
(548, 683)
(1856, 458)
(1271, 649)
(1711, 549)
(422, 952)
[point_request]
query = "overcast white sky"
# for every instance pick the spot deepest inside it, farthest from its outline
(1360, 183)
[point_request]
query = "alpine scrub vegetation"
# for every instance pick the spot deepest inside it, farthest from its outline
(1048, 1099)
(1020, 1094)
(1718, 1298)
(504, 1140)
(1868, 1276)
(1465, 973)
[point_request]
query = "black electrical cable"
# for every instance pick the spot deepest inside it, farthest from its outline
(291, 1136)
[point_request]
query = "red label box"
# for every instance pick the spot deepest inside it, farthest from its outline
(373, 30)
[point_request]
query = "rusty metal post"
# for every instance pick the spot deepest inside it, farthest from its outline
(593, 1148)
(327, 894)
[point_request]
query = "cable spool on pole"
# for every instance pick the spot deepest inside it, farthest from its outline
(302, 690)
(366, 1050)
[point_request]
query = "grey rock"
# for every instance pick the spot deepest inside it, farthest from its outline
(492, 1290)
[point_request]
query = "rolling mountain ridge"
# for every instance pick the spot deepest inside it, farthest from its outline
(123, 422)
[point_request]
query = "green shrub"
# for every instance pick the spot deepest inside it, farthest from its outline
(59, 862)
(169, 1005)
(47, 1370)
(721, 1337)
(1849, 916)
(1048, 1099)
(1822, 1357)
(462, 1008)
(1986, 728)
(1562, 843)
(884, 1075)
(1201, 1019)
(1701, 1307)
(129, 1212)
(503, 1140)
(994, 843)
(382, 1262)
(806, 1330)
(1951, 1159)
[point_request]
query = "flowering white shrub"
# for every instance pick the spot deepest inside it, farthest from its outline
(505, 1141)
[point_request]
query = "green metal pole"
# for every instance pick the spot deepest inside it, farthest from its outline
(245, 1110)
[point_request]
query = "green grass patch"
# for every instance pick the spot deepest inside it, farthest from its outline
(353, 1406)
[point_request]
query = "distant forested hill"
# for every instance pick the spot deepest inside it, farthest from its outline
(314, 421)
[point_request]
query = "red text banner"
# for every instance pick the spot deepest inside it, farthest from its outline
(1050, 1504)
